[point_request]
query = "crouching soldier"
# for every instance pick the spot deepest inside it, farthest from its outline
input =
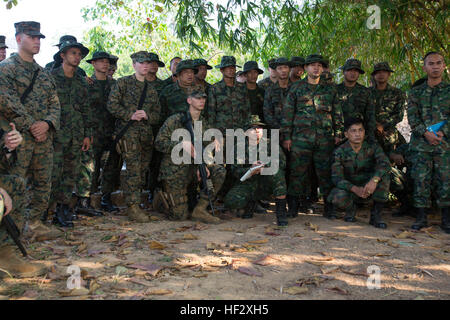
(178, 179)
(243, 195)
(360, 169)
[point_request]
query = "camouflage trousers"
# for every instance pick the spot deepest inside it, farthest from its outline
(15, 187)
(111, 174)
(302, 155)
(343, 199)
(84, 174)
(35, 162)
(257, 187)
(137, 154)
(431, 172)
(66, 162)
(181, 183)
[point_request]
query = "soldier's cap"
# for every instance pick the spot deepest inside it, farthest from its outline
(99, 55)
(70, 43)
(254, 122)
(270, 61)
(113, 59)
(197, 94)
(155, 58)
(315, 58)
(185, 65)
(31, 28)
(2, 42)
(352, 64)
(141, 56)
(227, 61)
(282, 61)
(297, 61)
(381, 66)
(64, 39)
(252, 65)
(202, 62)
(326, 62)
(239, 73)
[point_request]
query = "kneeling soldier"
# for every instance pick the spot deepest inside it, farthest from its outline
(177, 179)
(360, 169)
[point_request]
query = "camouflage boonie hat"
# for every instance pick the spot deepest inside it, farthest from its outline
(2, 42)
(71, 43)
(270, 62)
(202, 62)
(113, 59)
(315, 58)
(64, 39)
(282, 61)
(198, 94)
(254, 122)
(297, 61)
(227, 61)
(31, 28)
(155, 58)
(353, 64)
(141, 56)
(99, 55)
(252, 65)
(185, 65)
(381, 66)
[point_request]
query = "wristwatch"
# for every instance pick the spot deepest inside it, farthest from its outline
(376, 179)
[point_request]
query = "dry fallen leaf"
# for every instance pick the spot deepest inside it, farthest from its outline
(259, 241)
(200, 275)
(250, 271)
(81, 247)
(312, 226)
(404, 235)
(189, 236)
(316, 263)
(155, 245)
(295, 290)
(440, 256)
(74, 292)
(157, 292)
(152, 269)
(93, 286)
(266, 260)
(326, 270)
(338, 290)
(298, 235)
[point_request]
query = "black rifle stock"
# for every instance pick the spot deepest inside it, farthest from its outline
(14, 233)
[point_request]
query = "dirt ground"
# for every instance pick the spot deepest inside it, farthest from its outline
(312, 258)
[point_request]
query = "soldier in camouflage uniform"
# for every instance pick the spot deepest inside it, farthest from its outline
(297, 69)
(173, 69)
(310, 128)
(76, 132)
(112, 66)
(360, 170)
(243, 195)
(271, 79)
(152, 78)
(3, 48)
(37, 117)
(254, 91)
(137, 143)
(429, 104)
(355, 98)
(178, 178)
(57, 61)
(202, 66)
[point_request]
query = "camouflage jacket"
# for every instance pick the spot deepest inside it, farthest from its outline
(158, 84)
(123, 102)
(311, 110)
(256, 98)
(428, 106)
(389, 106)
(168, 81)
(205, 85)
(350, 168)
(56, 64)
(41, 104)
(75, 105)
(265, 83)
(356, 102)
(273, 104)
(102, 120)
(228, 107)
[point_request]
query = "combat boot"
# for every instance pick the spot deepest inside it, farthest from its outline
(421, 219)
(201, 213)
(305, 206)
(281, 212)
(61, 216)
(445, 220)
(249, 210)
(258, 209)
(375, 216)
(350, 213)
(293, 205)
(135, 213)
(328, 211)
(11, 263)
(107, 204)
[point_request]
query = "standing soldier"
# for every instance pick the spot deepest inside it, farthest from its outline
(112, 66)
(57, 61)
(429, 104)
(254, 91)
(271, 79)
(202, 67)
(134, 102)
(360, 170)
(75, 134)
(173, 69)
(3, 48)
(311, 126)
(31, 102)
(297, 68)
(355, 98)
(152, 78)
(177, 179)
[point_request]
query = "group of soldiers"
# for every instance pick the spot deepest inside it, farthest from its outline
(67, 134)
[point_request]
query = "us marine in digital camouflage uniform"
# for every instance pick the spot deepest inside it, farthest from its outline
(254, 91)
(243, 195)
(178, 178)
(311, 126)
(152, 78)
(360, 169)
(429, 104)
(3, 48)
(271, 79)
(202, 66)
(37, 118)
(137, 143)
(75, 134)
(355, 98)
